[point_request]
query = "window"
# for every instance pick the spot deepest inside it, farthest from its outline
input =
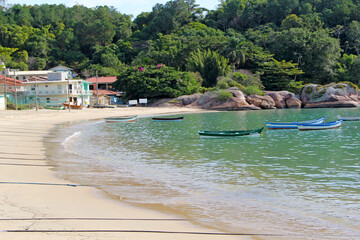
(59, 87)
(48, 100)
(46, 86)
(91, 87)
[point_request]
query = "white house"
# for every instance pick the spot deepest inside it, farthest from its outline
(57, 90)
(2, 102)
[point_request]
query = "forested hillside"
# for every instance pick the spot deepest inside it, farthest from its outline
(283, 43)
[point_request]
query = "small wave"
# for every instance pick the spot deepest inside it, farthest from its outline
(69, 140)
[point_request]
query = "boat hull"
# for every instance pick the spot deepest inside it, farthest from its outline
(121, 119)
(73, 106)
(350, 118)
(177, 119)
(235, 133)
(325, 126)
(292, 125)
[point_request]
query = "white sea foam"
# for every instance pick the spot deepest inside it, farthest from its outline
(69, 141)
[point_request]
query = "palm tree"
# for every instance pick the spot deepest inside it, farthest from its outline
(235, 51)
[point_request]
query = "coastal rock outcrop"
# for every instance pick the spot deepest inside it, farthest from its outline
(210, 100)
(333, 95)
(285, 99)
(188, 99)
(263, 102)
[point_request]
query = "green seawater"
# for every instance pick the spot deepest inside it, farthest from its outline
(288, 182)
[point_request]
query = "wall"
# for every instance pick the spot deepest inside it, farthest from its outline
(2, 102)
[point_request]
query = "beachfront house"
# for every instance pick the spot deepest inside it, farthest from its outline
(2, 102)
(104, 86)
(58, 89)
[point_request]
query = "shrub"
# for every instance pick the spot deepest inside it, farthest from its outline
(223, 95)
(295, 87)
(351, 85)
(224, 83)
(248, 80)
(253, 90)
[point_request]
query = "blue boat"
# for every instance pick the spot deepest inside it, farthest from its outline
(292, 125)
(323, 126)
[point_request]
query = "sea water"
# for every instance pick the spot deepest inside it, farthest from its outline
(303, 184)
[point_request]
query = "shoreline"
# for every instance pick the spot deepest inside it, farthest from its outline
(23, 159)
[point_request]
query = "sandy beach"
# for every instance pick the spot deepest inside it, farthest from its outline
(37, 205)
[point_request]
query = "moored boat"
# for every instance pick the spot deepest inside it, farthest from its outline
(174, 119)
(72, 106)
(349, 118)
(233, 133)
(121, 119)
(323, 126)
(292, 125)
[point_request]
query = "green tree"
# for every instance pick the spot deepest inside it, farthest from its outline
(353, 36)
(155, 82)
(278, 74)
(209, 64)
(235, 51)
(316, 52)
(348, 69)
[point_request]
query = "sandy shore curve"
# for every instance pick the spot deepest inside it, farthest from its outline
(37, 205)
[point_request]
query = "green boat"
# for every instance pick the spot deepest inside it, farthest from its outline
(234, 133)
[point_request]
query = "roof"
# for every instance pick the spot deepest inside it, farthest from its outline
(60, 67)
(102, 79)
(107, 92)
(10, 81)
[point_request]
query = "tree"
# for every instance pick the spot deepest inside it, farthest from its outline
(235, 51)
(318, 50)
(348, 69)
(278, 74)
(209, 64)
(353, 36)
(155, 82)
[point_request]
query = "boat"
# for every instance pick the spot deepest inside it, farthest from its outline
(292, 125)
(72, 106)
(54, 107)
(349, 118)
(322, 126)
(234, 133)
(121, 119)
(174, 119)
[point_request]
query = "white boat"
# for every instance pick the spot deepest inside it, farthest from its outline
(323, 126)
(349, 118)
(292, 125)
(121, 119)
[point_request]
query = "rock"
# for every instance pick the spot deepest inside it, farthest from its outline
(293, 102)
(263, 102)
(233, 104)
(188, 99)
(347, 104)
(280, 98)
(331, 95)
(209, 101)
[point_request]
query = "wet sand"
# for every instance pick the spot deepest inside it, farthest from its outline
(37, 205)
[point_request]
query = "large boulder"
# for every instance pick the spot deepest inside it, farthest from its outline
(293, 102)
(210, 100)
(331, 95)
(285, 99)
(263, 102)
(188, 99)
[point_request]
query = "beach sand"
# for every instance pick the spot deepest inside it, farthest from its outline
(28, 208)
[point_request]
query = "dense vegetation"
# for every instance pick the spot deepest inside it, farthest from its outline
(282, 43)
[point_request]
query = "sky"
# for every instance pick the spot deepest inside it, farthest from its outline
(129, 7)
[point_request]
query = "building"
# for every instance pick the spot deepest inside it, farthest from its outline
(11, 84)
(57, 90)
(104, 85)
